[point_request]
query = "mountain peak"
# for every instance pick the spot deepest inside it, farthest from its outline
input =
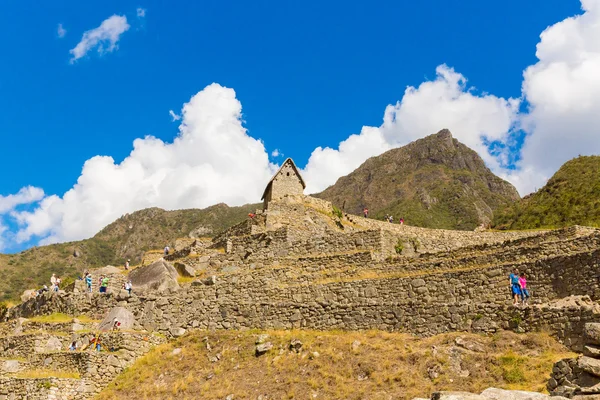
(434, 182)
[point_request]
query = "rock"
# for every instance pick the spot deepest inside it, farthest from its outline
(185, 270)
(114, 361)
(501, 394)
(456, 396)
(591, 333)
(76, 253)
(263, 348)
(261, 338)
(158, 276)
(581, 397)
(211, 280)
(589, 365)
(177, 332)
(229, 397)
(355, 345)
(11, 366)
(123, 315)
(313, 355)
(591, 351)
(19, 326)
(27, 294)
(415, 283)
(122, 295)
(469, 344)
(296, 345)
(52, 344)
(176, 351)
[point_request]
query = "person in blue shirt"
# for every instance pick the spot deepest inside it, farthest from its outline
(515, 286)
(88, 281)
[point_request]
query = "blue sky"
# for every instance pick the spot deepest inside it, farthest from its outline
(307, 74)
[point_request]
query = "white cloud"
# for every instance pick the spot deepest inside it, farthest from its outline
(26, 195)
(563, 90)
(211, 160)
(445, 102)
(176, 117)
(140, 12)
(276, 153)
(104, 38)
(61, 31)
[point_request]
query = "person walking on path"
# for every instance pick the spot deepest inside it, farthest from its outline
(366, 212)
(515, 286)
(88, 281)
(127, 265)
(167, 250)
(524, 291)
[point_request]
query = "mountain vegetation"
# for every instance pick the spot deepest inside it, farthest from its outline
(127, 237)
(571, 197)
(434, 182)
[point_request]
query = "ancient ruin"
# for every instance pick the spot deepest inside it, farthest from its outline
(301, 263)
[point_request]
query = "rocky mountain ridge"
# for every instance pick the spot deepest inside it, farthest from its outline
(434, 182)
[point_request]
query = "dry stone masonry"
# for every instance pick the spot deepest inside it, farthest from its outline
(299, 263)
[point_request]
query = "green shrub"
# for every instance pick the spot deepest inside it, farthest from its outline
(399, 247)
(337, 212)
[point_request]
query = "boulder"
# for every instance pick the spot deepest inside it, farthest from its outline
(589, 365)
(501, 394)
(11, 366)
(591, 351)
(263, 348)
(591, 333)
(158, 276)
(27, 295)
(456, 396)
(52, 344)
(177, 332)
(123, 315)
(469, 344)
(185, 270)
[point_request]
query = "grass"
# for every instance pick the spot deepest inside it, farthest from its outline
(183, 280)
(47, 373)
(336, 365)
(57, 318)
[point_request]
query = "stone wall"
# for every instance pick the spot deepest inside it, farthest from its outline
(45, 388)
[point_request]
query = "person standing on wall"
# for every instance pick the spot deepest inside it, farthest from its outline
(515, 286)
(366, 212)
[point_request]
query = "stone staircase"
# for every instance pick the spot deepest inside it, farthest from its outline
(36, 363)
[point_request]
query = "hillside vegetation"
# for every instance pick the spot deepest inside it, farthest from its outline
(571, 197)
(127, 237)
(434, 182)
(336, 365)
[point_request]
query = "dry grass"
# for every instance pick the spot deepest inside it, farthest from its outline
(57, 318)
(384, 365)
(47, 373)
(183, 280)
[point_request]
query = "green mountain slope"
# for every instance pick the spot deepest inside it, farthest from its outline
(127, 237)
(434, 182)
(571, 197)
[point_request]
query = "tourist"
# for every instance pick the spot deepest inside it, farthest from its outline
(127, 265)
(366, 212)
(251, 215)
(88, 281)
(167, 250)
(391, 219)
(57, 285)
(73, 346)
(116, 324)
(515, 286)
(401, 221)
(98, 341)
(42, 290)
(524, 291)
(128, 286)
(104, 284)
(53, 282)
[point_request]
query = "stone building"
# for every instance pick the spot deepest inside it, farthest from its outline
(287, 181)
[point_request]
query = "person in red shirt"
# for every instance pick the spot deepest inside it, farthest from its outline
(366, 212)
